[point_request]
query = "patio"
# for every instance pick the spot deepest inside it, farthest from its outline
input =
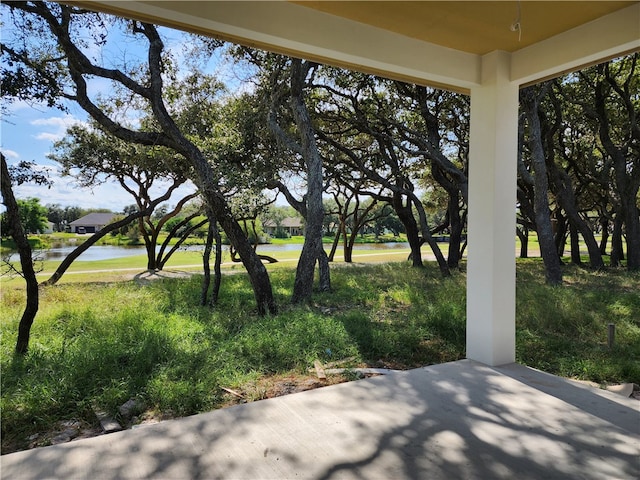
(454, 420)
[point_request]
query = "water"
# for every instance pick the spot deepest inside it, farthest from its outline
(108, 252)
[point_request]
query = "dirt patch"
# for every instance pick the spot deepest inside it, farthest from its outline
(279, 385)
(61, 432)
(148, 276)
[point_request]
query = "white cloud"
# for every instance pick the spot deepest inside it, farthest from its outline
(58, 127)
(66, 192)
(10, 153)
(50, 137)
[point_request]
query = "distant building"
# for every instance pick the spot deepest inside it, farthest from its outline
(92, 223)
(50, 228)
(291, 225)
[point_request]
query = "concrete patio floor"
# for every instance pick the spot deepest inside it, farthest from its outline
(460, 420)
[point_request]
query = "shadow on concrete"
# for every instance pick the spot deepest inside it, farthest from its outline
(455, 420)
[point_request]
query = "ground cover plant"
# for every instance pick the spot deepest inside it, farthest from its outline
(97, 345)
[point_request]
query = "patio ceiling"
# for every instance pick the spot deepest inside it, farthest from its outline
(433, 43)
(473, 26)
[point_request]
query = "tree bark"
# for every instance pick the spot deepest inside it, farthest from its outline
(334, 245)
(617, 253)
(456, 226)
(324, 274)
(346, 251)
(561, 228)
(312, 247)
(161, 259)
(212, 236)
(576, 259)
(523, 235)
(567, 200)
(26, 261)
(405, 215)
(206, 268)
(548, 248)
(604, 226)
(217, 271)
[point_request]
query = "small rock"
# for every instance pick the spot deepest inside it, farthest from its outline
(107, 423)
(88, 433)
(130, 407)
(70, 424)
(61, 438)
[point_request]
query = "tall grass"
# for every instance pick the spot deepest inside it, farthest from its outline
(97, 345)
(563, 329)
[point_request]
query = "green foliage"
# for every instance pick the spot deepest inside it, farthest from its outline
(33, 217)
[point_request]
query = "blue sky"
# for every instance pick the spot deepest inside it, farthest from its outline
(28, 132)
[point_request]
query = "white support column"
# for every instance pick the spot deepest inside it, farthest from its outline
(492, 216)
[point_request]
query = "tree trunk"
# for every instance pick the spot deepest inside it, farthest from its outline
(162, 259)
(410, 227)
(576, 259)
(456, 226)
(312, 247)
(548, 248)
(631, 215)
(617, 254)
(348, 246)
(346, 251)
(149, 242)
(334, 245)
(560, 231)
(324, 272)
(567, 200)
(212, 235)
(206, 258)
(604, 225)
(523, 235)
(428, 238)
(26, 261)
(217, 271)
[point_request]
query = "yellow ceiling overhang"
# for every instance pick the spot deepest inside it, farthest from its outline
(476, 27)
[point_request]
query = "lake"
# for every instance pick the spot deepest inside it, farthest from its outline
(107, 252)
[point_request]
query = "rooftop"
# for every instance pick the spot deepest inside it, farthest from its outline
(94, 219)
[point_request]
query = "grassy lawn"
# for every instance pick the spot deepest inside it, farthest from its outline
(100, 344)
(125, 267)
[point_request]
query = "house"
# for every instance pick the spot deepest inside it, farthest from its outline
(92, 223)
(291, 225)
(488, 50)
